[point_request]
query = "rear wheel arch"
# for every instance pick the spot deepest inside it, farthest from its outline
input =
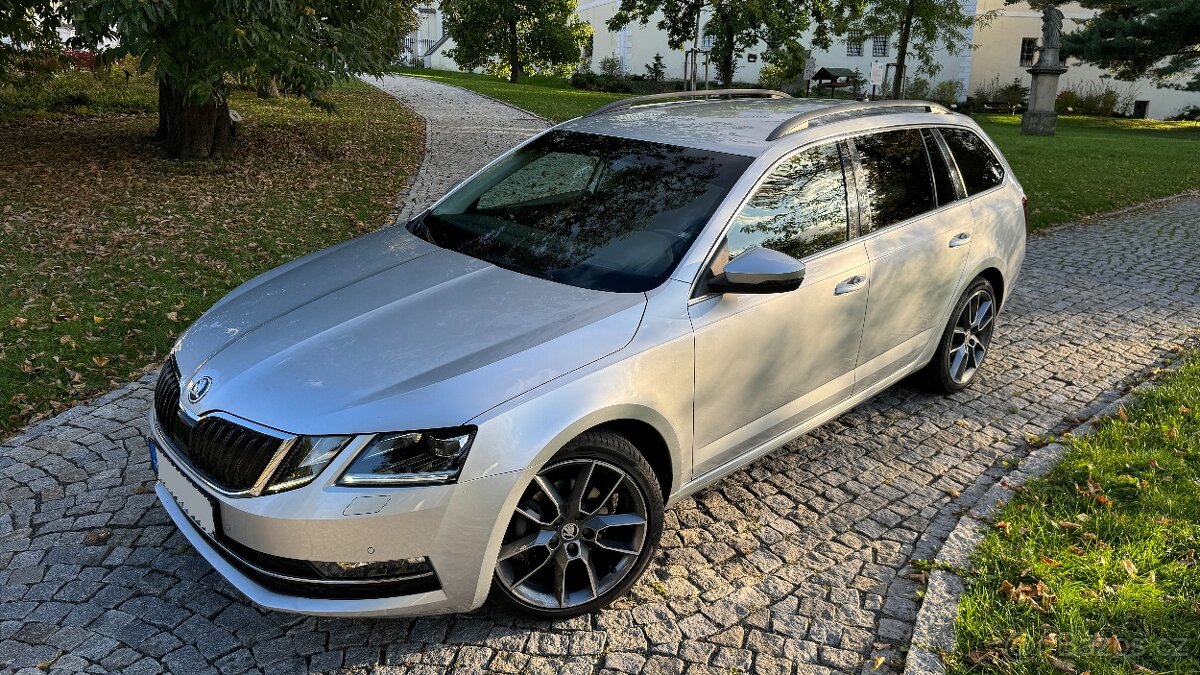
(996, 279)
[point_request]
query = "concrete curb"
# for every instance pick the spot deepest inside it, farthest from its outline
(933, 630)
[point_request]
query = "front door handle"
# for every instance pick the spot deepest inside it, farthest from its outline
(850, 285)
(960, 239)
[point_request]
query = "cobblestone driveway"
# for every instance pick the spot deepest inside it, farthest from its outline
(796, 564)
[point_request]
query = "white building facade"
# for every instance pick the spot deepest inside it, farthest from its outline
(1003, 50)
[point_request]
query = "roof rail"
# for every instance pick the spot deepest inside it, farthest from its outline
(800, 122)
(668, 96)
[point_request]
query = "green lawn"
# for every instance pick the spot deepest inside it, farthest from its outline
(1092, 166)
(1096, 567)
(108, 249)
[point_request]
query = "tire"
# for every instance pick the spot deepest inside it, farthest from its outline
(946, 373)
(556, 561)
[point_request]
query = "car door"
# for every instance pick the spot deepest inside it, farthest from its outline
(764, 363)
(917, 230)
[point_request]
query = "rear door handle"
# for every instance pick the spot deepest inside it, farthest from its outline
(850, 285)
(960, 239)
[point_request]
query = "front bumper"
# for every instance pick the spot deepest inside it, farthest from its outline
(457, 527)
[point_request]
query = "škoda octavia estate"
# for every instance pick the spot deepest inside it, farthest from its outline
(501, 396)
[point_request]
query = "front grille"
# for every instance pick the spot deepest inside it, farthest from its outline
(166, 394)
(228, 454)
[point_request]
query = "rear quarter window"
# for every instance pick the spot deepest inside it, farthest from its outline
(980, 169)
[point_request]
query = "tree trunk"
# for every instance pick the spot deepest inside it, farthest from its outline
(190, 130)
(268, 88)
(727, 58)
(902, 50)
(514, 57)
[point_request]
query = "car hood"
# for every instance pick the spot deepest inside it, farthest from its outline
(388, 332)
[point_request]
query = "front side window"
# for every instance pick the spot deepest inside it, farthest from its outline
(592, 211)
(800, 209)
(897, 182)
(979, 168)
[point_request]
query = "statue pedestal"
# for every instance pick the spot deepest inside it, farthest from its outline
(1040, 119)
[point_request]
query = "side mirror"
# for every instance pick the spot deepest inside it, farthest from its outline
(759, 270)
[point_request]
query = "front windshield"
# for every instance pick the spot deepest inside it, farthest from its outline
(599, 212)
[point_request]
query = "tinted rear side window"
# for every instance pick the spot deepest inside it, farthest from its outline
(898, 184)
(979, 167)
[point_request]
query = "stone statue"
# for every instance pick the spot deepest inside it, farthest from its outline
(1052, 27)
(1040, 119)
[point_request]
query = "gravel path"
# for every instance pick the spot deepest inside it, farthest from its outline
(797, 564)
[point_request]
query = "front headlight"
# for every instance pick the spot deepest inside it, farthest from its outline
(307, 458)
(411, 458)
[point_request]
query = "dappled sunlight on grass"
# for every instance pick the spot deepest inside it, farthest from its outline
(1095, 567)
(108, 249)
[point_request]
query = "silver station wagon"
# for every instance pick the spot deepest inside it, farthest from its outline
(500, 397)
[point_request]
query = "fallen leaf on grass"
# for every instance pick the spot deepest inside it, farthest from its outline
(1068, 525)
(19, 322)
(1061, 664)
(984, 656)
(1129, 567)
(1050, 562)
(100, 360)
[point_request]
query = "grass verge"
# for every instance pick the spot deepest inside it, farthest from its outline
(1095, 567)
(1093, 165)
(107, 249)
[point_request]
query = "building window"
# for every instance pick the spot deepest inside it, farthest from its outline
(1028, 48)
(879, 46)
(707, 42)
(854, 43)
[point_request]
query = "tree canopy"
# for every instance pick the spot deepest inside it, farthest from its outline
(922, 28)
(512, 37)
(738, 25)
(1142, 38)
(27, 27)
(195, 46)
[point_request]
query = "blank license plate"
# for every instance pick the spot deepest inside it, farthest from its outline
(190, 499)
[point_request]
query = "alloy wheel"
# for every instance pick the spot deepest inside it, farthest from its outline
(972, 336)
(577, 532)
